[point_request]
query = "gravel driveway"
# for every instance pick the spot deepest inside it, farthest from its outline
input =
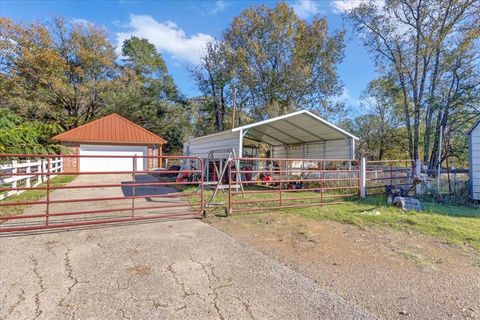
(182, 269)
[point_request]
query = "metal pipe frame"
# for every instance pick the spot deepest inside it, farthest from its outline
(195, 208)
(276, 187)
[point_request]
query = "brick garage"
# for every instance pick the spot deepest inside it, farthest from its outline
(112, 135)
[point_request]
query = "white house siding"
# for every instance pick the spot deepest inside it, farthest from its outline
(200, 147)
(333, 149)
(475, 162)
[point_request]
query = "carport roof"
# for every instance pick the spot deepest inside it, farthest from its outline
(112, 129)
(294, 128)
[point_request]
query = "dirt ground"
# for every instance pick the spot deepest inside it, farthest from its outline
(393, 274)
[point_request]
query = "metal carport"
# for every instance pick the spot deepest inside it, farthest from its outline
(300, 134)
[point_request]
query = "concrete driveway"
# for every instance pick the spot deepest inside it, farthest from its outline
(183, 269)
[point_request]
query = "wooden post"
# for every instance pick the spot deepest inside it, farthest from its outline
(28, 182)
(14, 171)
(44, 169)
(39, 169)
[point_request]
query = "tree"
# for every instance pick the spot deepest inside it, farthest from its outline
(276, 61)
(18, 136)
(378, 129)
(418, 43)
(145, 93)
(57, 72)
(212, 78)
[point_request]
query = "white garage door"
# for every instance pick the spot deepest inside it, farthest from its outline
(111, 164)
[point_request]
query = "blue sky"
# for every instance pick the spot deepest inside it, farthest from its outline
(179, 29)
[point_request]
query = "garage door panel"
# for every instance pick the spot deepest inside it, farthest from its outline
(99, 164)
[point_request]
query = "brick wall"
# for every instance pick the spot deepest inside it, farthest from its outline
(154, 150)
(71, 164)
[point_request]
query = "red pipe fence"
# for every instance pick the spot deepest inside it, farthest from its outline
(276, 183)
(162, 188)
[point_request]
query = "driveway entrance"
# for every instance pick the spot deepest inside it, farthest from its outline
(171, 270)
(102, 197)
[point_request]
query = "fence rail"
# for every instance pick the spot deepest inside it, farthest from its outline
(275, 183)
(127, 195)
(17, 176)
(378, 174)
(254, 184)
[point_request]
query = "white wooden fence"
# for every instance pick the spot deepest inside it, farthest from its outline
(27, 181)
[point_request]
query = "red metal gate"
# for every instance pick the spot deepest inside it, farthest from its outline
(274, 183)
(100, 197)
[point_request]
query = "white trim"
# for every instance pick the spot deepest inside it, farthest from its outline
(212, 135)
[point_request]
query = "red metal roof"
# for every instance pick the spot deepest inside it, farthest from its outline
(112, 129)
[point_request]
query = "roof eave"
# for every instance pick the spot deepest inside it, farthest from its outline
(473, 127)
(112, 142)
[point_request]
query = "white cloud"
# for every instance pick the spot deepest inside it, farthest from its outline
(305, 8)
(167, 38)
(82, 21)
(341, 6)
(218, 6)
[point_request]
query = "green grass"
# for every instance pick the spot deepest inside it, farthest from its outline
(454, 224)
(31, 195)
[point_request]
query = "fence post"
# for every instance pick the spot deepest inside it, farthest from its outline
(363, 178)
(418, 174)
(44, 169)
(14, 171)
(39, 169)
(28, 182)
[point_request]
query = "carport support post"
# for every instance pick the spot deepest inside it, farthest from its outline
(363, 177)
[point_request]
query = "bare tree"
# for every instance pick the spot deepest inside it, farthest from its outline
(417, 42)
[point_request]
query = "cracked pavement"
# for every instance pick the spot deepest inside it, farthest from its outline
(182, 269)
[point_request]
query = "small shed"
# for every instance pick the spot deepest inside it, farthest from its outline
(298, 135)
(474, 160)
(112, 135)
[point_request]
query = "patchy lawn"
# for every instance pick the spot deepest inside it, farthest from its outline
(32, 195)
(455, 224)
(458, 225)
